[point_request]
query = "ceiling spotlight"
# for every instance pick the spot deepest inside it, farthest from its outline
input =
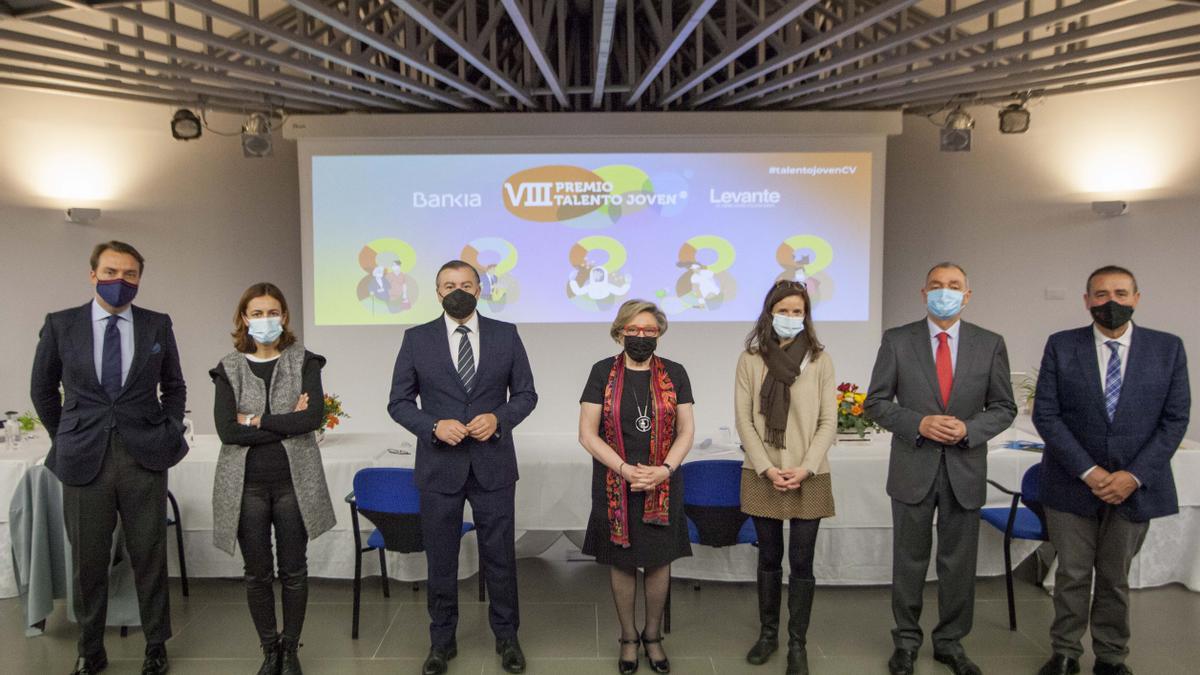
(256, 136)
(955, 135)
(1014, 119)
(185, 126)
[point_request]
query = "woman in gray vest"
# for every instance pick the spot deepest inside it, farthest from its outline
(269, 404)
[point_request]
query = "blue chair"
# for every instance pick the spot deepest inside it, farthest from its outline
(387, 497)
(712, 505)
(1017, 522)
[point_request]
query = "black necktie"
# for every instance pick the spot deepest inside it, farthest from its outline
(466, 358)
(110, 362)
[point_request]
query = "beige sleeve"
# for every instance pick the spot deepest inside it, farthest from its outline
(743, 414)
(826, 433)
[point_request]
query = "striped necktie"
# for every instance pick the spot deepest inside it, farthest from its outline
(466, 358)
(1112, 379)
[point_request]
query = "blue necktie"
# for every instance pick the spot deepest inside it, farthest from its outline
(1112, 379)
(110, 362)
(466, 358)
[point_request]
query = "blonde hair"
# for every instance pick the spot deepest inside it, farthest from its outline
(630, 309)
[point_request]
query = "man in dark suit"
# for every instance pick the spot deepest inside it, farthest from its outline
(1112, 406)
(941, 386)
(475, 386)
(113, 437)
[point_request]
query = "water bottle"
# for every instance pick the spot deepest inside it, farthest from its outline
(12, 432)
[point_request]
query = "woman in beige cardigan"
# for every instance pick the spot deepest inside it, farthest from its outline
(786, 411)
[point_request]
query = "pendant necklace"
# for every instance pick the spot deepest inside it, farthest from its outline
(642, 422)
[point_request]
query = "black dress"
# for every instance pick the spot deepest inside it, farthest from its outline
(649, 545)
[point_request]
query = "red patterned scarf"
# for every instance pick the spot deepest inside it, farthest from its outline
(662, 435)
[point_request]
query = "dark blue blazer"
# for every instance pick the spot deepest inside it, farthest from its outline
(503, 386)
(80, 420)
(1149, 423)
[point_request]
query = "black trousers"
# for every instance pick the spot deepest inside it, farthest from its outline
(802, 545)
(441, 528)
(268, 505)
(123, 487)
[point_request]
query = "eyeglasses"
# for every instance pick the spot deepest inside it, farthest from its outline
(634, 331)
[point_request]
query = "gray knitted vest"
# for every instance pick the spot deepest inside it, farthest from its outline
(304, 457)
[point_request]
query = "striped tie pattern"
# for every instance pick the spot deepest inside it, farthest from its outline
(1112, 379)
(466, 358)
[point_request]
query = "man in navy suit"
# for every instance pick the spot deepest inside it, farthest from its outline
(113, 437)
(1112, 406)
(475, 386)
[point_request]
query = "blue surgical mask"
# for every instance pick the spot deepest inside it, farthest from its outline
(265, 330)
(787, 327)
(116, 292)
(944, 302)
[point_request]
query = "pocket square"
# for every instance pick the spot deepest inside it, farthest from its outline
(156, 348)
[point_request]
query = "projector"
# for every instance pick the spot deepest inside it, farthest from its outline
(82, 216)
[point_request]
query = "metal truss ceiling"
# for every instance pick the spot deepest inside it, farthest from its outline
(331, 56)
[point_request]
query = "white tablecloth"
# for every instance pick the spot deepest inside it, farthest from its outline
(553, 497)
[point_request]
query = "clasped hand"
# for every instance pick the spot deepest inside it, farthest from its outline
(787, 479)
(944, 429)
(1112, 488)
(453, 432)
(643, 477)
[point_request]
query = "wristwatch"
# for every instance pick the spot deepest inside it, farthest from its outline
(670, 469)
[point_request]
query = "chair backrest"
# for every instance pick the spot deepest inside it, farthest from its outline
(386, 490)
(1031, 492)
(712, 482)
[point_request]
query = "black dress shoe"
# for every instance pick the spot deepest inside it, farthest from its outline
(901, 662)
(156, 661)
(1060, 664)
(959, 664)
(90, 665)
(1102, 668)
(628, 667)
(663, 666)
(512, 659)
(289, 661)
(438, 660)
(270, 664)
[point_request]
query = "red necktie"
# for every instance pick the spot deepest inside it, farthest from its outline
(945, 367)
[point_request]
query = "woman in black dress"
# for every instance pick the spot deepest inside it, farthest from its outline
(635, 419)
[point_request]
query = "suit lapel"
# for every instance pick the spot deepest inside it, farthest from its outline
(85, 341)
(1085, 352)
(1134, 369)
(921, 346)
(487, 349)
(143, 337)
(966, 354)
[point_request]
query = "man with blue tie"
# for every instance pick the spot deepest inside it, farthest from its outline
(474, 383)
(1112, 406)
(113, 437)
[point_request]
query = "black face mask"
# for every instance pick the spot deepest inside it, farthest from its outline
(459, 304)
(639, 347)
(1112, 314)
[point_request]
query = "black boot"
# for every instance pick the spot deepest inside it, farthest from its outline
(800, 599)
(289, 663)
(271, 661)
(770, 586)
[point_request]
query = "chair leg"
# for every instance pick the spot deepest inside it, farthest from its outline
(383, 573)
(482, 585)
(357, 593)
(183, 578)
(416, 586)
(1008, 582)
(124, 631)
(667, 611)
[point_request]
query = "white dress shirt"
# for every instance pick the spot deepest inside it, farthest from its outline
(124, 327)
(1103, 356)
(456, 337)
(952, 334)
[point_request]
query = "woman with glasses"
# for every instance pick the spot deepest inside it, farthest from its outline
(785, 405)
(635, 420)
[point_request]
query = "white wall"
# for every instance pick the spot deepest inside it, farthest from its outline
(208, 221)
(1015, 213)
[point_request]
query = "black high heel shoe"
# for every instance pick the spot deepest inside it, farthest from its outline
(663, 666)
(628, 667)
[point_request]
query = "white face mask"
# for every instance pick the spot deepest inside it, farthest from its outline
(265, 330)
(787, 327)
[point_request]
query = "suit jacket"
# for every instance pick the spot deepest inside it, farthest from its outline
(1147, 427)
(79, 422)
(503, 386)
(904, 389)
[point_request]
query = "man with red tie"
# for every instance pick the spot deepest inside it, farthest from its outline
(941, 386)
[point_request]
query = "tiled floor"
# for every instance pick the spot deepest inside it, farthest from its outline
(569, 627)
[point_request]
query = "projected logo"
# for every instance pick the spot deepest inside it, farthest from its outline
(705, 283)
(388, 286)
(804, 258)
(560, 193)
(598, 279)
(494, 259)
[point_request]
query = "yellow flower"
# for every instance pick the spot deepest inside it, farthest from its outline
(860, 397)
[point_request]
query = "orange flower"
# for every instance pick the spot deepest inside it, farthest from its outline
(839, 398)
(857, 410)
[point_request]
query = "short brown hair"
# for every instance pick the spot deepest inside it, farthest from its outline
(630, 309)
(241, 333)
(457, 265)
(1110, 269)
(946, 265)
(119, 247)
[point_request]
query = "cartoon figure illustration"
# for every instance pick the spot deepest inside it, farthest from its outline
(598, 286)
(385, 286)
(703, 281)
(494, 259)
